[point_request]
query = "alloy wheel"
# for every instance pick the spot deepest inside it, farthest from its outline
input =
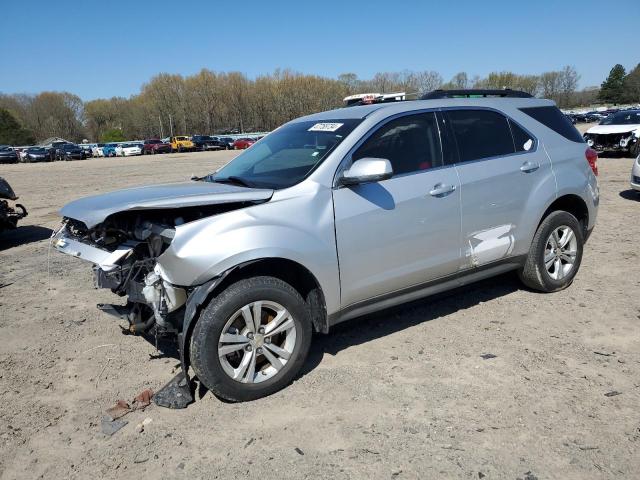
(560, 252)
(257, 341)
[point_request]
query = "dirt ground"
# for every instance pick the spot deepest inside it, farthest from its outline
(400, 394)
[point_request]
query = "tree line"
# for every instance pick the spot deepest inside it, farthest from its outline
(218, 102)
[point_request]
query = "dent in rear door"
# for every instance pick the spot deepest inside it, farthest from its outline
(495, 190)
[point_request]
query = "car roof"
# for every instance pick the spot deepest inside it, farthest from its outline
(393, 108)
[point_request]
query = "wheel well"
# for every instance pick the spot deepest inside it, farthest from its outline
(572, 204)
(288, 271)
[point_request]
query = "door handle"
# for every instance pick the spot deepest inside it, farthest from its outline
(441, 189)
(528, 167)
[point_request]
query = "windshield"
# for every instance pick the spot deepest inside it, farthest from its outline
(35, 149)
(129, 145)
(286, 156)
(180, 139)
(623, 118)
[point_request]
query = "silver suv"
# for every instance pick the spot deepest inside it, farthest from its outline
(336, 215)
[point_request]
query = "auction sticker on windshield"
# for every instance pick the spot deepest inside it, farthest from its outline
(325, 127)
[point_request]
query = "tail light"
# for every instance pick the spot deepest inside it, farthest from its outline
(592, 157)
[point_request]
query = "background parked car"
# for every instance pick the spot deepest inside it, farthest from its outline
(129, 149)
(109, 150)
(243, 143)
(181, 143)
(96, 150)
(226, 141)
(206, 142)
(70, 151)
(38, 154)
(87, 150)
(155, 145)
(8, 154)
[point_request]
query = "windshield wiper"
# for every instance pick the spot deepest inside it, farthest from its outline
(235, 180)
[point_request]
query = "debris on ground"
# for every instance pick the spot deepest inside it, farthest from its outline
(110, 422)
(488, 356)
(110, 426)
(605, 354)
(142, 400)
(175, 394)
(612, 393)
(144, 423)
(120, 409)
(300, 452)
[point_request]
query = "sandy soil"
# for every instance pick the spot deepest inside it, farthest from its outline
(400, 394)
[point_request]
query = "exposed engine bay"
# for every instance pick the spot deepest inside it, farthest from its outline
(124, 250)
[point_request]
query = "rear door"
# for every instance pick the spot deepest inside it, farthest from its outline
(404, 231)
(500, 166)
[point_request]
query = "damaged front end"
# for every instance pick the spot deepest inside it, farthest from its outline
(613, 142)
(123, 234)
(124, 251)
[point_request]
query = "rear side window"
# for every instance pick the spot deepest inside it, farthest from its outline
(554, 119)
(521, 139)
(480, 134)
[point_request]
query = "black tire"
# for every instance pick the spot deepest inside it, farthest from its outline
(203, 349)
(634, 151)
(534, 274)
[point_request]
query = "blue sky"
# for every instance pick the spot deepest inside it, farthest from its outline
(98, 48)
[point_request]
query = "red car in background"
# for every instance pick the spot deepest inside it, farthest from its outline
(243, 143)
(155, 145)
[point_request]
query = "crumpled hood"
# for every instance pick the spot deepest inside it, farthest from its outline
(607, 129)
(95, 209)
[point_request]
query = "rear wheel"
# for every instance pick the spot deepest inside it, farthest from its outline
(252, 339)
(555, 254)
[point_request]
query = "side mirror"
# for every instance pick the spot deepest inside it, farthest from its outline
(367, 170)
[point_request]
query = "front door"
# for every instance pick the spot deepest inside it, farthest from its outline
(404, 231)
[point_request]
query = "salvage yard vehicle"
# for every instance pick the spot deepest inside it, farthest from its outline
(97, 150)
(109, 150)
(9, 215)
(243, 143)
(635, 175)
(336, 215)
(69, 151)
(38, 154)
(8, 154)
(87, 149)
(129, 149)
(205, 142)
(226, 141)
(619, 132)
(181, 143)
(155, 145)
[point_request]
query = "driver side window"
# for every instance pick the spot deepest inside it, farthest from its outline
(411, 143)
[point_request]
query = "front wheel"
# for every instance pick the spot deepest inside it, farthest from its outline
(252, 339)
(555, 254)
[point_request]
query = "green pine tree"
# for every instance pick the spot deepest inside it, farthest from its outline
(631, 86)
(612, 89)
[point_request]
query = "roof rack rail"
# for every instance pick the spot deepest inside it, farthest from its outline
(471, 93)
